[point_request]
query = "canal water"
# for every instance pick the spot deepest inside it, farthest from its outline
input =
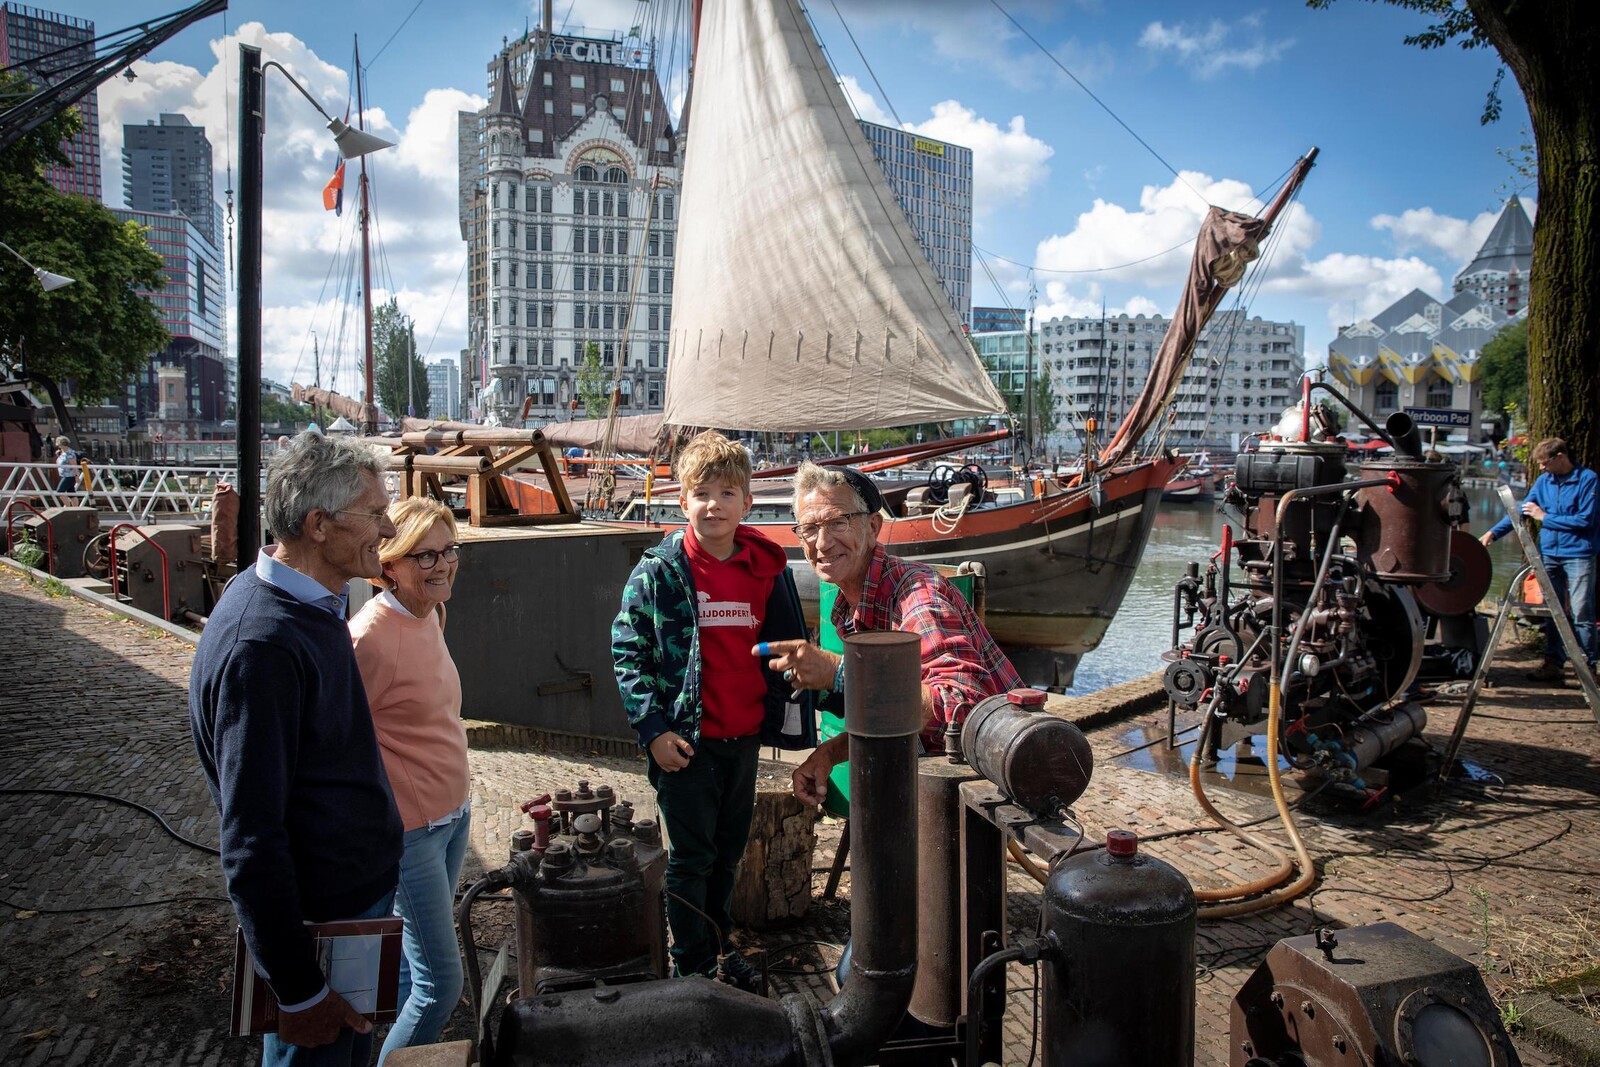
(1142, 629)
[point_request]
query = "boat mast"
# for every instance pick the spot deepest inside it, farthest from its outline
(370, 414)
(1027, 372)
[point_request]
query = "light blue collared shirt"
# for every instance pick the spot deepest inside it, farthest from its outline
(302, 587)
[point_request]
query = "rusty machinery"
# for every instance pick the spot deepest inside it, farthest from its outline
(66, 531)
(1307, 619)
(1365, 997)
(588, 879)
(159, 569)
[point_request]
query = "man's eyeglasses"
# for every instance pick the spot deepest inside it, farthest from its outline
(809, 531)
(374, 517)
(428, 558)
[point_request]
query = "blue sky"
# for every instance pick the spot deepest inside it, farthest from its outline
(1227, 94)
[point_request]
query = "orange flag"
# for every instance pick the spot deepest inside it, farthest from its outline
(333, 192)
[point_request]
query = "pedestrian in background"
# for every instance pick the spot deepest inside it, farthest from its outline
(66, 466)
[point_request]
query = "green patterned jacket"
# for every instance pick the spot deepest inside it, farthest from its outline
(655, 645)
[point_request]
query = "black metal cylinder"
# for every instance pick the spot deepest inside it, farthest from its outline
(883, 694)
(1038, 760)
(1120, 988)
(936, 999)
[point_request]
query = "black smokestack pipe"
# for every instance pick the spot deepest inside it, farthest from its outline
(691, 1023)
(883, 712)
(1404, 434)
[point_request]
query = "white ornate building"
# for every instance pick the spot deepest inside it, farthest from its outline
(568, 205)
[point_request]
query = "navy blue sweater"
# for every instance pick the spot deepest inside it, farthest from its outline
(308, 825)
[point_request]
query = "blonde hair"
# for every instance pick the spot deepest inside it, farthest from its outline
(711, 456)
(413, 517)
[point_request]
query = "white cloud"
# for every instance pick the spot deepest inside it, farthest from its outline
(1216, 48)
(866, 105)
(1424, 230)
(414, 198)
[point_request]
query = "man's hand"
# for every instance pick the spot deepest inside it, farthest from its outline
(1487, 539)
(1533, 511)
(671, 752)
(805, 665)
(810, 780)
(320, 1024)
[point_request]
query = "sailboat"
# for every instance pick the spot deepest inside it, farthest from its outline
(804, 303)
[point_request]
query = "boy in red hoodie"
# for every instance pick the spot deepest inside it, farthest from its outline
(700, 701)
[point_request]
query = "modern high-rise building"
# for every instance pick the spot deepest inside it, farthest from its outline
(192, 308)
(1244, 373)
(933, 182)
(40, 45)
(444, 390)
(166, 167)
(995, 320)
(568, 204)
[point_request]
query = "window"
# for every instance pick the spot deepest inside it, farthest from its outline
(655, 351)
(549, 79)
(549, 107)
(587, 173)
(617, 86)
(579, 110)
(547, 315)
(577, 81)
(616, 175)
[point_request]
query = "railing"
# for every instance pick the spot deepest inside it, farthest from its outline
(140, 491)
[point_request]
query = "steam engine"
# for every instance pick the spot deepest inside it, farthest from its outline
(1315, 594)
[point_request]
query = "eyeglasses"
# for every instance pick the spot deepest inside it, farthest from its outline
(428, 558)
(808, 531)
(375, 517)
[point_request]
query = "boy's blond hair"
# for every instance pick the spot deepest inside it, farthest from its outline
(711, 456)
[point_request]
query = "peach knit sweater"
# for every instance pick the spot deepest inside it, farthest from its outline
(415, 695)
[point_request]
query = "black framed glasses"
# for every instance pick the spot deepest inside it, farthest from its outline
(429, 558)
(810, 531)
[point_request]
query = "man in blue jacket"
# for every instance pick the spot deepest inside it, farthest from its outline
(309, 830)
(1564, 502)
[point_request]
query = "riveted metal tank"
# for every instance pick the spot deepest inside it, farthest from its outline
(1119, 988)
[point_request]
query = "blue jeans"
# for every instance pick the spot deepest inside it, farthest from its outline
(430, 972)
(349, 1049)
(1573, 580)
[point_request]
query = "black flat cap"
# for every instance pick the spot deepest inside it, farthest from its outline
(864, 488)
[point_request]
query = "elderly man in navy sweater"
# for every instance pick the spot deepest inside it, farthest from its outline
(1565, 502)
(309, 828)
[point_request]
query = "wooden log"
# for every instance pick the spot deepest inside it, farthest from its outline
(774, 879)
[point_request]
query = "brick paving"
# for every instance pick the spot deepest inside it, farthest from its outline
(1493, 868)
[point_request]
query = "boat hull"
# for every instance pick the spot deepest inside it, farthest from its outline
(1056, 568)
(1190, 488)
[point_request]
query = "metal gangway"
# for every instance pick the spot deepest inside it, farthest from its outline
(140, 493)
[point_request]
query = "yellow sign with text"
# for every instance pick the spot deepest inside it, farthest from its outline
(933, 148)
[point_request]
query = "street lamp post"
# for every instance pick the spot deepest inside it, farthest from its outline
(50, 282)
(252, 121)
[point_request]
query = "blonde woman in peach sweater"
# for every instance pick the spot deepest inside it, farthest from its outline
(415, 695)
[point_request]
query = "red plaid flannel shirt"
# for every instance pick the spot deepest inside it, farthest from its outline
(961, 664)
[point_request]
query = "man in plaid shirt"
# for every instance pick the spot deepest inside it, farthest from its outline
(840, 513)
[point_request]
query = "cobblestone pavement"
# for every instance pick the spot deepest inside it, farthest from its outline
(1499, 868)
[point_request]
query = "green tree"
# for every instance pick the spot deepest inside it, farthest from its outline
(99, 331)
(1552, 48)
(1503, 370)
(594, 383)
(394, 346)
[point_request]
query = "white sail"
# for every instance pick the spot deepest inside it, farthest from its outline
(802, 300)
